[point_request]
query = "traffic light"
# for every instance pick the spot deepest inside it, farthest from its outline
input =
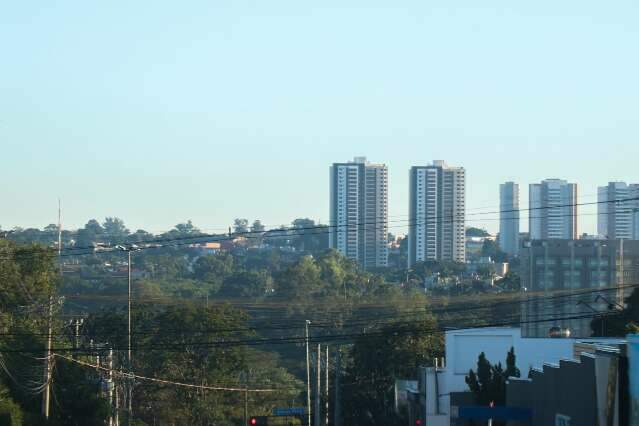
(258, 421)
(419, 422)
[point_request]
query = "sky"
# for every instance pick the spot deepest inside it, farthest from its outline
(159, 112)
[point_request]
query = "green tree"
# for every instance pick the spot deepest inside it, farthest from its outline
(488, 383)
(114, 230)
(247, 284)
(241, 226)
(476, 232)
(214, 269)
(491, 249)
(257, 226)
(378, 357)
(301, 280)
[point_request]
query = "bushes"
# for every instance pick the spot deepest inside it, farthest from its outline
(10, 413)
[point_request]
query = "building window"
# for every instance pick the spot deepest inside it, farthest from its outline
(561, 420)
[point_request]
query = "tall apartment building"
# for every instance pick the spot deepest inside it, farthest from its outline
(509, 218)
(573, 270)
(437, 213)
(359, 211)
(618, 211)
(553, 210)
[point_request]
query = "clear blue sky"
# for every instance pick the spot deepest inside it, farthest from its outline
(158, 112)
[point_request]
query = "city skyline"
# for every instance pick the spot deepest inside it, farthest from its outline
(208, 121)
(486, 216)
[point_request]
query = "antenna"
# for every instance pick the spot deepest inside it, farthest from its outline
(59, 227)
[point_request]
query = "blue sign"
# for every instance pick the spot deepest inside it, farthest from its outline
(495, 413)
(284, 412)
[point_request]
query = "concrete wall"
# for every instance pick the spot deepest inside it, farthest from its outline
(585, 391)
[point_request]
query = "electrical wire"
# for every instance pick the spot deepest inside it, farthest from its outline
(188, 240)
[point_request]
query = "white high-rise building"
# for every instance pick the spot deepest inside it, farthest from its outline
(553, 210)
(509, 218)
(618, 211)
(437, 213)
(359, 211)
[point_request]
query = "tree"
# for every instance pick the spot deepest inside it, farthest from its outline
(489, 382)
(140, 236)
(247, 284)
(390, 352)
(308, 236)
(301, 280)
(476, 232)
(257, 226)
(89, 235)
(186, 229)
(214, 269)
(491, 249)
(240, 226)
(187, 327)
(114, 230)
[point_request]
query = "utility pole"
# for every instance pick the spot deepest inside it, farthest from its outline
(130, 357)
(326, 388)
(308, 378)
(338, 367)
(46, 396)
(246, 398)
(76, 323)
(111, 387)
(129, 386)
(318, 389)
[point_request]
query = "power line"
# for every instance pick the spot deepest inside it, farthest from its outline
(365, 319)
(395, 330)
(324, 229)
(168, 382)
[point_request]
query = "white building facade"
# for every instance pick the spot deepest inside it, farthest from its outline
(553, 210)
(437, 213)
(509, 218)
(359, 211)
(618, 211)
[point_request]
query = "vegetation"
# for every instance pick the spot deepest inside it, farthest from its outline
(224, 318)
(488, 383)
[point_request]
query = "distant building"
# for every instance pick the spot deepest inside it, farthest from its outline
(618, 211)
(553, 210)
(359, 211)
(437, 213)
(574, 265)
(205, 249)
(509, 218)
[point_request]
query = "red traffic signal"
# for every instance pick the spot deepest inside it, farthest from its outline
(258, 421)
(419, 422)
